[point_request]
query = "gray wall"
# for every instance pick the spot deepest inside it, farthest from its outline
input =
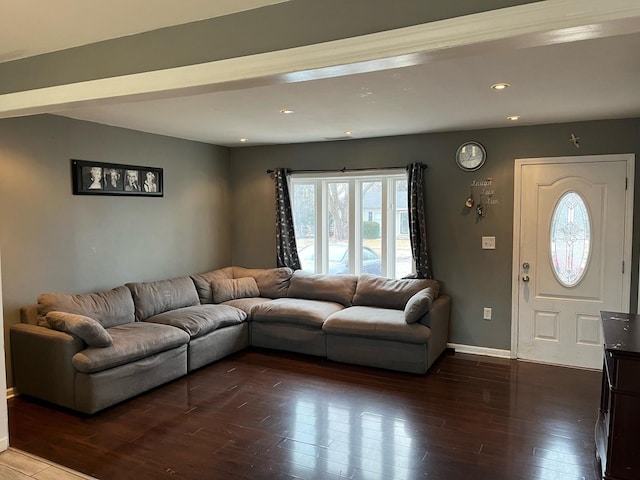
(474, 278)
(218, 208)
(53, 241)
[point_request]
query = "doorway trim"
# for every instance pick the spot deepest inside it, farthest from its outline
(629, 158)
(4, 414)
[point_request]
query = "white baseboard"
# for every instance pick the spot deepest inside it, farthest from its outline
(4, 444)
(11, 393)
(472, 349)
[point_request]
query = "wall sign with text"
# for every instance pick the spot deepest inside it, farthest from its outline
(482, 199)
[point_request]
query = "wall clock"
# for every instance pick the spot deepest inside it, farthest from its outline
(471, 156)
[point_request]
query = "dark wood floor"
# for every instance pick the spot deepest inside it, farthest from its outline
(271, 415)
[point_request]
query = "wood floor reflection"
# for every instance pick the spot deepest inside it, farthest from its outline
(270, 415)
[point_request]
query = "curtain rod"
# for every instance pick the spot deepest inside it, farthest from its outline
(345, 169)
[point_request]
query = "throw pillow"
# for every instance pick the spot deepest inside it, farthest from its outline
(229, 289)
(86, 328)
(419, 304)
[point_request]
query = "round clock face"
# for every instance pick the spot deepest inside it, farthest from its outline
(471, 156)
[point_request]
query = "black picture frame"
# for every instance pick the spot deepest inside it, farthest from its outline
(99, 178)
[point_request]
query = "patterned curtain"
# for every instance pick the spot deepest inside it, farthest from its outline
(286, 249)
(417, 221)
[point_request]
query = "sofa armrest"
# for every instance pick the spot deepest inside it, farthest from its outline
(41, 360)
(439, 323)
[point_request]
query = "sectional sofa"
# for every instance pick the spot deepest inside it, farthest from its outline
(89, 351)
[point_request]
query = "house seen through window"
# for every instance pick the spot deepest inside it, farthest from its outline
(352, 223)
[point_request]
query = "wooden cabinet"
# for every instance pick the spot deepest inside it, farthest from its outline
(618, 426)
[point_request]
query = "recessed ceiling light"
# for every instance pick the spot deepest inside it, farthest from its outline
(243, 140)
(348, 132)
(500, 86)
(286, 111)
(513, 118)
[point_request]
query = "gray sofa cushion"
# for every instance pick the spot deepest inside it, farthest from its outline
(419, 304)
(272, 282)
(229, 289)
(29, 314)
(373, 322)
(131, 342)
(109, 307)
(86, 328)
(153, 298)
(247, 304)
(199, 320)
(374, 291)
(332, 288)
(295, 311)
(202, 282)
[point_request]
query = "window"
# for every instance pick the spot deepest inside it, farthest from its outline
(352, 223)
(570, 239)
(403, 222)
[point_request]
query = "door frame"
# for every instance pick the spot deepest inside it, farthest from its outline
(629, 158)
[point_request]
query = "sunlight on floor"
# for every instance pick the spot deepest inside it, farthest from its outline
(18, 465)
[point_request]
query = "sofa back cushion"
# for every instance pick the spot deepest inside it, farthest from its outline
(331, 288)
(272, 282)
(153, 298)
(203, 282)
(374, 291)
(29, 314)
(109, 307)
(231, 289)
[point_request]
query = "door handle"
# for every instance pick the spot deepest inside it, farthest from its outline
(525, 278)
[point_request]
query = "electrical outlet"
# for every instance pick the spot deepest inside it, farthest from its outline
(487, 313)
(488, 243)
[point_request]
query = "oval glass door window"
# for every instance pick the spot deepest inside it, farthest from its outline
(570, 239)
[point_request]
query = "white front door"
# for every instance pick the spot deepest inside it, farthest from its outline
(572, 254)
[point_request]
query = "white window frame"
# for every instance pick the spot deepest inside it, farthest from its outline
(388, 226)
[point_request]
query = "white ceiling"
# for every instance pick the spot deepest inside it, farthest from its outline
(552, 80)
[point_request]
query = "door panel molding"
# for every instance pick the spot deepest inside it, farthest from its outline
(629, 159)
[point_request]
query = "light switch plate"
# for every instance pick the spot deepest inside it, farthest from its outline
(488, 243)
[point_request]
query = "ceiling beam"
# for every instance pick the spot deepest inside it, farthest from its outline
(536, 24)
